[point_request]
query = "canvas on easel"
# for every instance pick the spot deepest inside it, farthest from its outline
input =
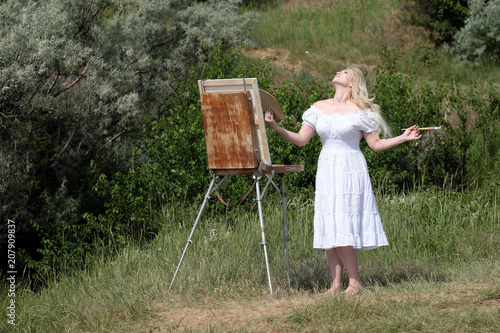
(229, 132)
(220, 87)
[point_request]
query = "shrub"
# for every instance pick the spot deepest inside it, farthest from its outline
(444, 18)
(479, 40)
(77, 80)
(466, 145)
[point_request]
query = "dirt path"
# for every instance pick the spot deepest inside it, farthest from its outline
(456, 300)
(229, 315)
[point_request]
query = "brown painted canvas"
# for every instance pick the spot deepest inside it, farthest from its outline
(258, 123)
(229, 130)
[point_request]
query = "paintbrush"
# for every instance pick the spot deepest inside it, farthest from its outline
(426, 128)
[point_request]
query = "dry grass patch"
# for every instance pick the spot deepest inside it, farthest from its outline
(427, 307)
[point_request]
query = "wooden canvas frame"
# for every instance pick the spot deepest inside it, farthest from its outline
(250, 85)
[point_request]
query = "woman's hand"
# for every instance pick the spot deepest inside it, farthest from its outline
(269, 117)
(412, 133)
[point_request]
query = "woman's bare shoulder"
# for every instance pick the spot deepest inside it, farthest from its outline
(322, 102)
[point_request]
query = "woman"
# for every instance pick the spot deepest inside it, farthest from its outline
(346, 217)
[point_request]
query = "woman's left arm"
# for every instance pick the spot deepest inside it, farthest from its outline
(377, 144)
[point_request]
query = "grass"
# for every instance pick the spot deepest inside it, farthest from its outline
(325, 31)
(325, 36)
(440, 273)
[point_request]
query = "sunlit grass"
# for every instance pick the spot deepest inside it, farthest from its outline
(337, 32)
(328, 35)
(434, 236)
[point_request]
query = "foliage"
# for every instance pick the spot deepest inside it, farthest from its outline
(62, 248)
(479, 40)
(256, 3)
(444, 18)
(176, 141)
(465, 147)
(77, 80)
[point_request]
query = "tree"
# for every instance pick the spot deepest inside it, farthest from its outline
(77, 78)
(479, 40)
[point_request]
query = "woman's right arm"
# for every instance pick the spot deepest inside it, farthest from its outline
(305, 134)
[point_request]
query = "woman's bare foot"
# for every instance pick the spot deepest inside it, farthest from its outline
(332, 291)
(353, 290)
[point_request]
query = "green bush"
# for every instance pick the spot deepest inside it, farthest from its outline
(479, 40)
(443, 18)
(465, 147)
(176, 169)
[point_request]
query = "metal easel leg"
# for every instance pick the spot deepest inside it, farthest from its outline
(257, 187)
(207, 196)
(285, 224)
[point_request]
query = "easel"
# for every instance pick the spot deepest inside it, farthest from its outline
(237, 145)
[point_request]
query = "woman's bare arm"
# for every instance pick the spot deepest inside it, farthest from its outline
(377, 144)
(301, 138)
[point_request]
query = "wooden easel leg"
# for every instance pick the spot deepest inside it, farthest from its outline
(257, 187)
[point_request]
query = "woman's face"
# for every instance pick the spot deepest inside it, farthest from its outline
(344, 78)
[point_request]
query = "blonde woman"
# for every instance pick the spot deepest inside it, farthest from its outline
(346, 217)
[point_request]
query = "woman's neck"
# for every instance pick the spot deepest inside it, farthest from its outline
(342, 95)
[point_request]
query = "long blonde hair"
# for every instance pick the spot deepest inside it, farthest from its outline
(359, 96)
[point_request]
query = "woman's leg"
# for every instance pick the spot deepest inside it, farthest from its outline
(336, 268)
(349, 258)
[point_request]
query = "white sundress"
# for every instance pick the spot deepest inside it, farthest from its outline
(345, 209)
